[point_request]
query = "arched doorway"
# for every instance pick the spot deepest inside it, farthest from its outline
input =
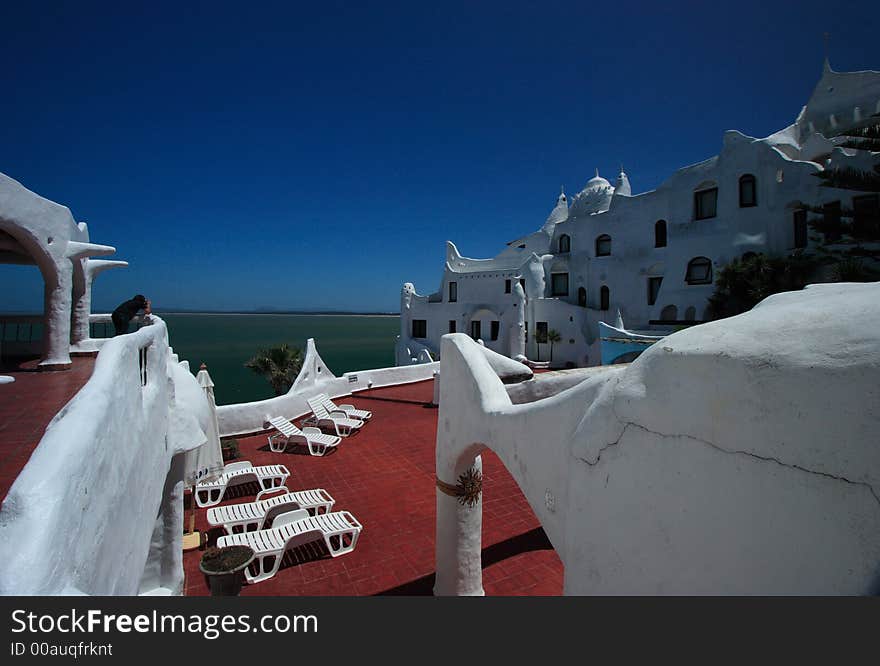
(19, 246)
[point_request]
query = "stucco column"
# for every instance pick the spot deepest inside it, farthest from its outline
(82, 302)
(84, 273)
(459, 535)
(56, 317)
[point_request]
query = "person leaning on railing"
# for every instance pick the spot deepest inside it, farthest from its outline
(125, 312)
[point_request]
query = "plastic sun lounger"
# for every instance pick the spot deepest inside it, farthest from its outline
(338, 421)
(339, 531)
(351, 411)
(252, 516)
(317, 442)
(236, 474)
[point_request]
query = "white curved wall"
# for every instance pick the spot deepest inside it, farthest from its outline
(737, 457)
(81, 518)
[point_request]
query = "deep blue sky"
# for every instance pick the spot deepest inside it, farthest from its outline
(319, 155)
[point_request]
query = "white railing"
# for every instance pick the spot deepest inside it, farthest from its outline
(80, 517)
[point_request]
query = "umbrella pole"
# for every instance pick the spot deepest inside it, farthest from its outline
(192, 539)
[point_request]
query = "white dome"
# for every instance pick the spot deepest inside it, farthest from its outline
(595, 197)
(596, 183)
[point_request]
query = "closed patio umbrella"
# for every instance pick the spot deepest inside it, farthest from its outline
(205, 462)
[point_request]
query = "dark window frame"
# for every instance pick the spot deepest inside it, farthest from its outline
(660, 230)
(603, 238)
(476, 331)
(494, 329)
(564, 244)
(453, 292)
(604, 298)
(542, 329)
(744, 179)
(553, 289)
(652, 291)
(507, 287)
(419, 326)
(453, 326)
(694, 263)
(700, 209)
(582, 297)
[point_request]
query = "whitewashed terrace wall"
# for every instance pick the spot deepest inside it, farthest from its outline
(314, 378)
(80, 518)
(736, 457)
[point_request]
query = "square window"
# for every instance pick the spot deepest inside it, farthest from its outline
(705, 203)
(541, 332)
(559, 284)
(420, 328)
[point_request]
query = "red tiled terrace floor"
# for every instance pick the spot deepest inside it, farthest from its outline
(384, 475)
(26, 407)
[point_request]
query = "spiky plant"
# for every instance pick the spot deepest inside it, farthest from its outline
(279, 365)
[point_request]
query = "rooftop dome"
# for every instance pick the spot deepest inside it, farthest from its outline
(595, 183)
(595, 197)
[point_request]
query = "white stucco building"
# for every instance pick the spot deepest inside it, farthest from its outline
(653, 255)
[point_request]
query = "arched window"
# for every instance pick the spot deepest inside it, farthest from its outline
(699, 271)
(660, 233)
(564, 243)
(690, 314)
(603, 245)
(669, 313)
(582, 297)
(748, 191)
(604, 298)
(747, 256)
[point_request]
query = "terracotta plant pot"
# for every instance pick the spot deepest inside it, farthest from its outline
(224, 569)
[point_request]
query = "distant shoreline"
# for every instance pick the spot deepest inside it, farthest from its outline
(289, 314)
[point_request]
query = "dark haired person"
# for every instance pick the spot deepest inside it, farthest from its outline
(126, 312)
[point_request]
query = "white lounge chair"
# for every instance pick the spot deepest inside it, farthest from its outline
(210, 493)
(337, 421)
(252, 516)
(317, 442)
(339, 531)
(351, 411)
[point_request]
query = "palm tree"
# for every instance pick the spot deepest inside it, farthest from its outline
(553, 336)
(279, 365)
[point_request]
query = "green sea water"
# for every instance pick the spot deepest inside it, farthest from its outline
(224, 342)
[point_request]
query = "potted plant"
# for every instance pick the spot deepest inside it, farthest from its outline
(229, 448)
(224, 569)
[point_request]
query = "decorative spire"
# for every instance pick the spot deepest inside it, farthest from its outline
(623, 187)
(597, 172)
(827, 64)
